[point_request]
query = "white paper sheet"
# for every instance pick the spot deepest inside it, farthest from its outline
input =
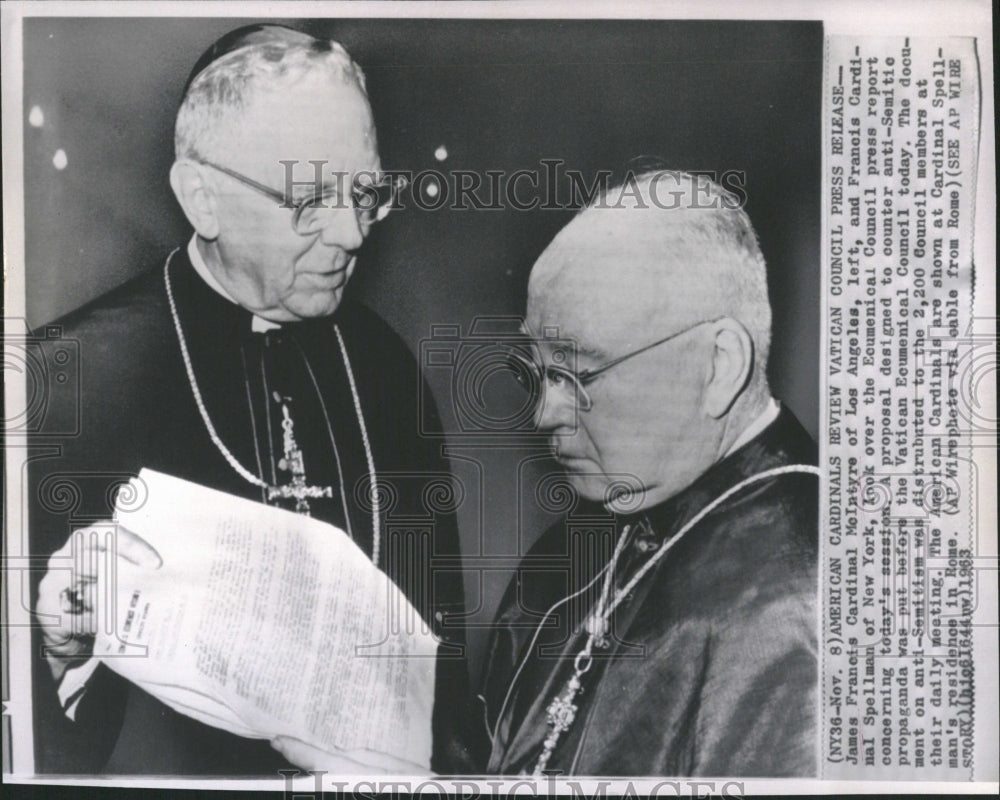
(264, 623)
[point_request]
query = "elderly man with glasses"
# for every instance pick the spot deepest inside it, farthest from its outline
(687, 646)
(239, 365)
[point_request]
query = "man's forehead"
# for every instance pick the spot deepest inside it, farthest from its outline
(587, 264)
(611, 278)
(556, 319)
(314, 119)
(614, 233)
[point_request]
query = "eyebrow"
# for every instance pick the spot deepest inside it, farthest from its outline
(589, 351)
(338, 181)
(585, 351)
(328, 191)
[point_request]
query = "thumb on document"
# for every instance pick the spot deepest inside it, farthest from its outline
(134, 548)
(343, 762)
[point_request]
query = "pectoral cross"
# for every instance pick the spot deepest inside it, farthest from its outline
(559, 715)
(294, 463)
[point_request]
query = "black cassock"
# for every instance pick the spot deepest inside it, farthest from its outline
(135, 408)
(710, 667)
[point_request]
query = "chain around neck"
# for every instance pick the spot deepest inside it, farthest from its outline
(242, 471)
(606, 606)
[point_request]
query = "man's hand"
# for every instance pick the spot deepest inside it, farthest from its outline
(344, 762)
(67, 609)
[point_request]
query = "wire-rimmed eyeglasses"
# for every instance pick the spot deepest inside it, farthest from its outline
(537, 378)
(371, 201)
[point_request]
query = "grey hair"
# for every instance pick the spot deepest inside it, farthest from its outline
(727, 274)
(214, 100)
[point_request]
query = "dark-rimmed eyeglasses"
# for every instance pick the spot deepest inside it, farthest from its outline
(537, 378)
(371, 201)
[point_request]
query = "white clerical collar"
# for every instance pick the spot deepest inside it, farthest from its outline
(765, 418)
(257, 324)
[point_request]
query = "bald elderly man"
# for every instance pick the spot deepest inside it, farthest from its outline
(696, 652)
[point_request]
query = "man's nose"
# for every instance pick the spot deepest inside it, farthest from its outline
(557, 409)
(340, 227)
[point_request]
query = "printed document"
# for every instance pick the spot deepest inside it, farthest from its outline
(264, 623)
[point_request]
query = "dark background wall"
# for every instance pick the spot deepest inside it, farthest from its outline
(498, 95)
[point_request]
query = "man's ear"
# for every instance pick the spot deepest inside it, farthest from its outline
(196, 196)
(732, 364)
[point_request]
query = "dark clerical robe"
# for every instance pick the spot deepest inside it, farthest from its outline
(135, 408)
(710, 667)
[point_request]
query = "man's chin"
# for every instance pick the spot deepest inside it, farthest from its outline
(591, 486)
(315, 304)
(618, 493)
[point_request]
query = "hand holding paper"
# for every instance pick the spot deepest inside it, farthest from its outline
(66, 596)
